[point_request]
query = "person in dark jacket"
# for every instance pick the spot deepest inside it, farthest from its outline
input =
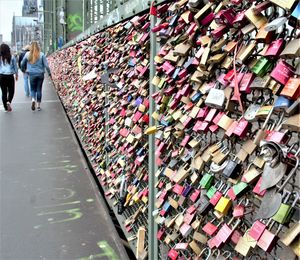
(25, 74)
(8, 68)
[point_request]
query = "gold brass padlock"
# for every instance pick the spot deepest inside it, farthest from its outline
(285, 4)
(258, 20)
(291, 50)
(225, 122)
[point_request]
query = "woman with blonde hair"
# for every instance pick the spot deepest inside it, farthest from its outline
(35, 63)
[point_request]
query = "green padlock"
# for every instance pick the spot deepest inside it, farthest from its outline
(213, 189)
(285, 210)
(206, 181)
(240, 188)
(261, 67)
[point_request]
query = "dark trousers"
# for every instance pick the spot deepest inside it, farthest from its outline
(36, 83)
(7, 84)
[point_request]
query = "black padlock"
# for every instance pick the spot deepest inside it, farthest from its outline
(232, 169)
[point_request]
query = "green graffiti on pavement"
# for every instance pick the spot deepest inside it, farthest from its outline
(107, 251)
(73, 213)
(74, 22)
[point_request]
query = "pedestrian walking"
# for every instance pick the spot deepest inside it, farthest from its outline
(25, 74)
(35, 63)
(8, 68)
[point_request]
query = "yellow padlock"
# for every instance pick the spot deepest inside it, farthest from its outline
(223, 205)
(136, 198)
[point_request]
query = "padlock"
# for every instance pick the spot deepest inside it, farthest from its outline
(194, 246)
(206, 181)
(233, 168)
(292, 50)
(173, 254)
(291, 234)
(242, 247)
(220, 156)
(285, 211)
(218, 194)
(246, 82)
(257, 229)
(251, 174)
(223, 205)
(209, 228)
(261, 67)
(225, 122)
(275, 48)
(252, 109)
(291, 89)
(292, 123)
(212, 190)
(215, 98)
(282, 72)
(204, 205)
(206, 251)
(257, 190)
(226, 231)
(264, 36)
(239, 209)
(268, 240)
(240, 188)
(242, 57)
(242, 128)
(287, 5)
(258, 20)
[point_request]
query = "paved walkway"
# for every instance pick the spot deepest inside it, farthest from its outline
(50, 205)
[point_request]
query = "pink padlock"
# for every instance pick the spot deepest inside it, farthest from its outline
(282, 72)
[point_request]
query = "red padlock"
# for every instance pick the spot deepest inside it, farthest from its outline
(275, 48)
(209, 228)
(242, 128)
(173, 254)
(282, 72)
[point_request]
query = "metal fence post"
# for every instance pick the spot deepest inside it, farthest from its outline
(152, 226)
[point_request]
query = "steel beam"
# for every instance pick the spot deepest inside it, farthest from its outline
(152, 167)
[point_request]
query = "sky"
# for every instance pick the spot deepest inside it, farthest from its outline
(7, 9)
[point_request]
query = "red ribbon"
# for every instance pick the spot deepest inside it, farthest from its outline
(236, 93)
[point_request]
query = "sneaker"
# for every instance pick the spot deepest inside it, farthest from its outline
(33, 105)
(9, 107)
(38, 108)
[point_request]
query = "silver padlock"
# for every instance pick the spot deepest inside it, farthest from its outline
(215, 98)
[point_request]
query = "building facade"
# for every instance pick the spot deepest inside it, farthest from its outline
(29, 6)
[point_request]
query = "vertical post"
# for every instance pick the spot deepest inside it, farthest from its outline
(84, 15)
(152, 226)
(104, 6)
(54, 39)
(15, 29)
